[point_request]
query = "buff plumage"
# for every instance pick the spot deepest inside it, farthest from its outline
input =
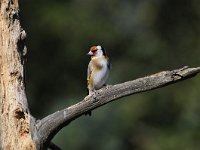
(98, 69)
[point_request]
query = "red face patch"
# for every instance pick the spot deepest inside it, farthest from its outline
(93, 48)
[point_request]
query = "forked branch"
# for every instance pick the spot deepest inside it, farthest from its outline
(51, 124)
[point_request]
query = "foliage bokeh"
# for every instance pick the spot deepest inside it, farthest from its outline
(141, 38)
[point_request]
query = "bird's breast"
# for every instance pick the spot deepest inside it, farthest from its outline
(100, 75)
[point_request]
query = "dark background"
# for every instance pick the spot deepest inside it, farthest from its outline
(141, 37)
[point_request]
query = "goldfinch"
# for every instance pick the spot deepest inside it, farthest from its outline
(98, 69)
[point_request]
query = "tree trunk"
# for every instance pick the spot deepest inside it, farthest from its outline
(15, 132)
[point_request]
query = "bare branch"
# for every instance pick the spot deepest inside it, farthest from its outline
(51, 124)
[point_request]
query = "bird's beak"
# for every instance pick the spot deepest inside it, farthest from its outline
(90, 53)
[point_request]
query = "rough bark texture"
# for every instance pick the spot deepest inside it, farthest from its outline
(15, 133)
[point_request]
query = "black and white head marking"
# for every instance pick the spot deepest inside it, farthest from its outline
(102, 48)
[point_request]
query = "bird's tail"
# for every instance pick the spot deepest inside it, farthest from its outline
(89, 112)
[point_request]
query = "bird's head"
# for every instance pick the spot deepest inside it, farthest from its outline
(97, 51)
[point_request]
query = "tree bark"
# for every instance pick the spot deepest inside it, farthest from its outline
(18, 129)
(15, 132)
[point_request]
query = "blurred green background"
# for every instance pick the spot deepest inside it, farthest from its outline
(141, 37)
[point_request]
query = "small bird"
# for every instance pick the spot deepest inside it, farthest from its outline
(98, 69)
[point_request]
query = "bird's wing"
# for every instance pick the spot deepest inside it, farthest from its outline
(89, 72)
(109, 64)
